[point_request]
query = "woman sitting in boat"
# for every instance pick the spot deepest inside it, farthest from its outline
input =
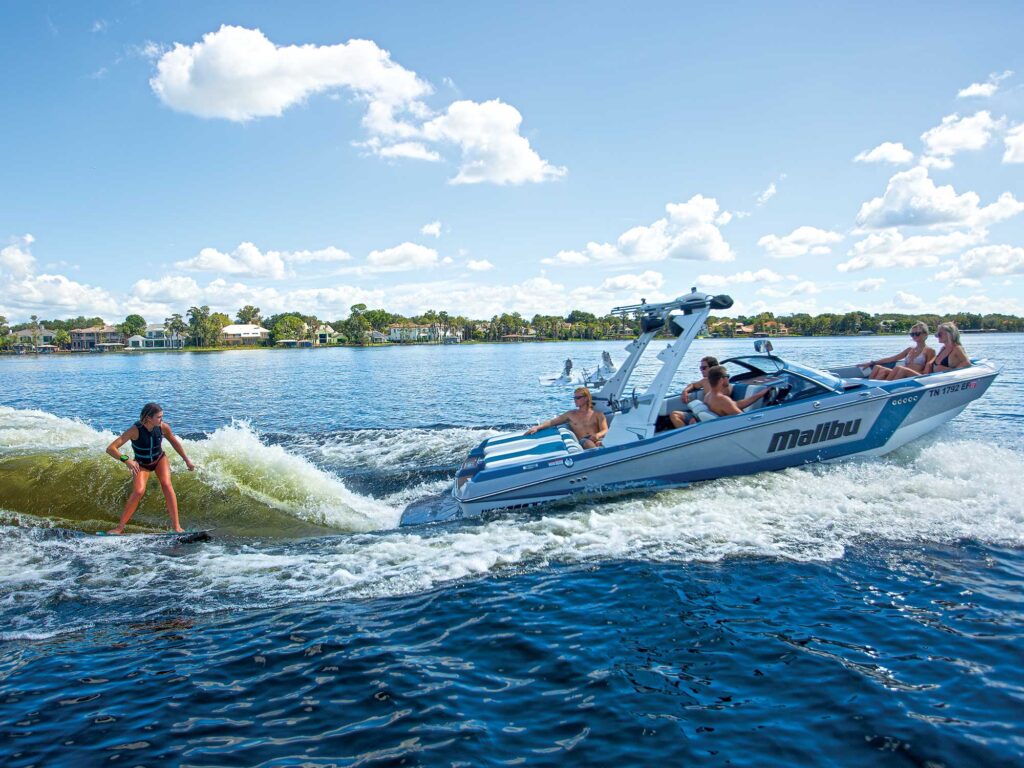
(952, 355)
(588, 425)
(912, 361)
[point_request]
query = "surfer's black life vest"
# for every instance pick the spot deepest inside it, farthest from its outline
(148, 448)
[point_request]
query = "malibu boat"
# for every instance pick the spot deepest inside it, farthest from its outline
(809, 415)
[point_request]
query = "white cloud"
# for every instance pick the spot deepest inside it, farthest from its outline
(912, 199)
(720, 281)
(634, 284)
(170, 288)
(23, 290)
(871, 284)
(433, 229)
(483, 265)
(688, 232)
(492, 148)
(16, 260)
(886, 152)
(804, 288)
(987, 261)
(956, 134)
(402, 258)
(891, 249)
(100, 25)
(238, 74)
(799, 242)
(767, 194)
(1014, 145)
(249, 261)
(413, 150)
(939, 163)
(986, 89)
(907, 301)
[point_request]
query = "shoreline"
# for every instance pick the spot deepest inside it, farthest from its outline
(236, 347)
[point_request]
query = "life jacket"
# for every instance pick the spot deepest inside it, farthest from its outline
(148, 448)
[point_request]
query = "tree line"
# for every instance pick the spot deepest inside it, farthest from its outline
(202, 328)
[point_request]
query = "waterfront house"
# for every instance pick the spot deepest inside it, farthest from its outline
(33, 337)
(244, 334)
(156, 337)
(409, 333)
(97, 337)
(325, 335)
(376, 337)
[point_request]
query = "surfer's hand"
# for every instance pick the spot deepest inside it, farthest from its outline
(190, 465)
(133, 466)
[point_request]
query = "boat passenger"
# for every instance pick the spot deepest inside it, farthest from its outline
(912, 361)
(147, 436)
(682, 418)
(952, 355)
(588, 425)
(718, 400)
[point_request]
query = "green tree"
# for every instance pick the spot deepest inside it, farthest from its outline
(288, 327)
(175, 325)
(199, 326)
(62, 338)
(133, 325)
(248, 315)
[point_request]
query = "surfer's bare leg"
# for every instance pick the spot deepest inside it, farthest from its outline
(138, 491)
(163, 474)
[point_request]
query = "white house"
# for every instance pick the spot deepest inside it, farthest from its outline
(156, 337)
(244, 333)
(37, 337)
(401, 333)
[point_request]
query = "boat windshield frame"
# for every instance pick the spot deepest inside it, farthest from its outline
(770, 364)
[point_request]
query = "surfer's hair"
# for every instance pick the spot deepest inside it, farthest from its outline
(952, 331)
(149, 410)
(585, 391)
(716, 374)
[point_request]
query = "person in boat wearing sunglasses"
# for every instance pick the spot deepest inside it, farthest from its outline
(912, 361)
(684, 417)
(588, 425)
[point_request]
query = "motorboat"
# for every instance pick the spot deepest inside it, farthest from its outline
(566, 376)
(600, 375)
(809, 415)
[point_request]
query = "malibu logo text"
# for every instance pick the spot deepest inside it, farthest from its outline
(828, 430)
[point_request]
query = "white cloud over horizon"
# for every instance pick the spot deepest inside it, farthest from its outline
(800, 242)
(690, 231)
(886, 152)
(986, 89)
(238, 74)
(247, 260)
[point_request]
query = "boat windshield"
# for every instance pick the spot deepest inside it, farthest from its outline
(763, 364)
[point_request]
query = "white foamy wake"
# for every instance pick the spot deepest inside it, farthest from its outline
(386, 449)
(935, 493)
(31, 431)
(233, 458)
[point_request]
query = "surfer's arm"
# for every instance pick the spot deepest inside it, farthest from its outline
(176, 443)
(114, 449)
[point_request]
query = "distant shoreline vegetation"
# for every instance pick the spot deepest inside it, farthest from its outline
(200, 329)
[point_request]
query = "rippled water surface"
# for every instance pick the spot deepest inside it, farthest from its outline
(867, 612)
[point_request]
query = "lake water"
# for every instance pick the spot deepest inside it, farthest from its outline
(860, 613)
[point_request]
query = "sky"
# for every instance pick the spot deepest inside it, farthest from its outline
(480, 158)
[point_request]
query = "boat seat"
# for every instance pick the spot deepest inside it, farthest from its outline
(701, 411)
(528, 451)
(524, 442)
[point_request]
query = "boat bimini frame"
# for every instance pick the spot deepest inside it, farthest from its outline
(636, 415)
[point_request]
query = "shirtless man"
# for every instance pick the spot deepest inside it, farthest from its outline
(717, 397)
(682, 418)
(588, 425)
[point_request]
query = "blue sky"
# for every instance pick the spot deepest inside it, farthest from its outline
(531, 157)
